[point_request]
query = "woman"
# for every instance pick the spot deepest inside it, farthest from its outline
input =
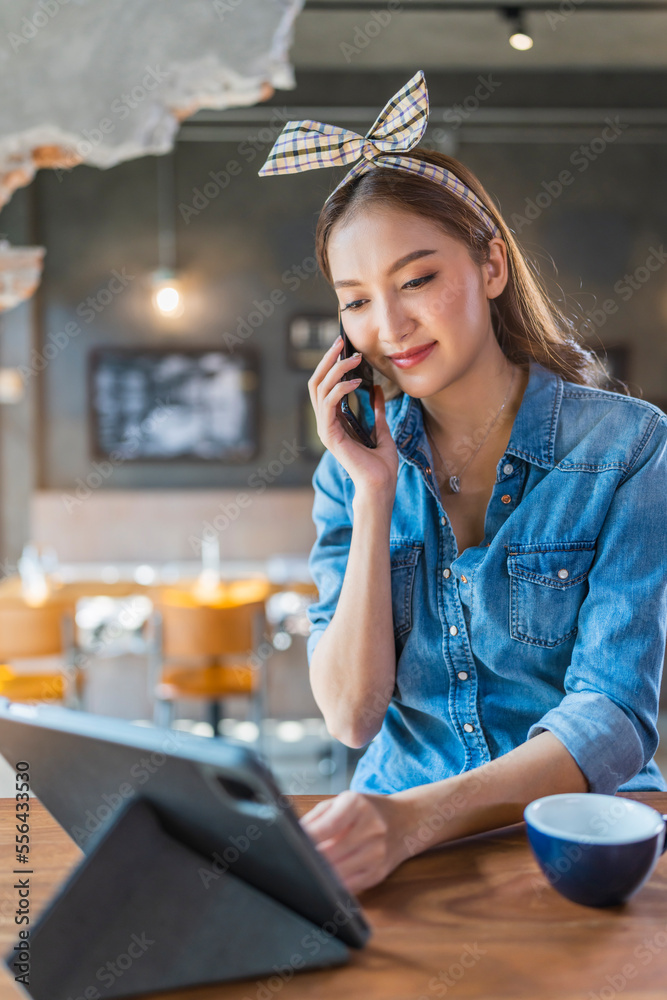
(492, 598)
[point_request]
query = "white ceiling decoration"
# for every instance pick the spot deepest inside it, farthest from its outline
(20, 272)
(102, 81)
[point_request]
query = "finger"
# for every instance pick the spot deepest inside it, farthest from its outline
(344, 811)
(363, 879)
(364, 838)
(360, 868)
(325, 365)
(367, 857)
(348, 852)
(312, 823)
(334, 397)
(316, 811)
(343, 841)
(336, 373)
(383, 433)
(319, 807)
(326, 361)
(328, 831)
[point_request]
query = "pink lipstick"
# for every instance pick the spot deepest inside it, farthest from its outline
(408, 359)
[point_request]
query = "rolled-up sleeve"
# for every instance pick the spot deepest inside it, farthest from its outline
(328, 557)
(607, 717)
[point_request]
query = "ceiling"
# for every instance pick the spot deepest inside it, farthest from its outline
(568, 34)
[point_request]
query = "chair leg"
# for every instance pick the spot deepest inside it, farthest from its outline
(74, 675)
(214, 715)
(162, 713)
(73, 690)
(257, 704)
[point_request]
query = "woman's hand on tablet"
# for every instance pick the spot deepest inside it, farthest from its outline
(361, 835)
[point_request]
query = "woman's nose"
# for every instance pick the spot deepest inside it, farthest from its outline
(394, 326)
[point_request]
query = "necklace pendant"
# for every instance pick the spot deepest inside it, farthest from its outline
(454, 484)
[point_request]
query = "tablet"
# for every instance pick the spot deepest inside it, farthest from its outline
(209, 794)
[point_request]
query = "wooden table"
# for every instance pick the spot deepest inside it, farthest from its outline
(474, 918)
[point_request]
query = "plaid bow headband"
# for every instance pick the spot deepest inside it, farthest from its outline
(307, 145)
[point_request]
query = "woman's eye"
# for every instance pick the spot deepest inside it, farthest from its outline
(415, 283)
(418, 282)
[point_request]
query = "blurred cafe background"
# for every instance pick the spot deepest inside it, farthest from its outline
(162, 311)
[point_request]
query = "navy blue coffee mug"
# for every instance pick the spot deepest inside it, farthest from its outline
(595, 849)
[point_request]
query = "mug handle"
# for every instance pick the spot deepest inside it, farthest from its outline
(664, 846)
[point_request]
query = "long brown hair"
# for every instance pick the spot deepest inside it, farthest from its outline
(526, 320)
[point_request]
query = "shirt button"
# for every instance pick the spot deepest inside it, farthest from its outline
(428, 470)
(508, 469)
(563, 574)
(453, 630)
(446, 573)
(468, 727)
(443, 520)
(464, 579)
(506, 498)
(462, 675)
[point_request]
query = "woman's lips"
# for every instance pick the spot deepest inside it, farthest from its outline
(414, 357)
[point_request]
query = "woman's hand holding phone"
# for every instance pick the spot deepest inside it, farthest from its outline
(372, 470)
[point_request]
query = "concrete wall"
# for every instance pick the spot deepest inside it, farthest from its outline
(168, 525)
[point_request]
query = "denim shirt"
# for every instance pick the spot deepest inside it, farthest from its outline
(555, 621)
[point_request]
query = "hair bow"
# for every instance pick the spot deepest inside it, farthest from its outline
(308, 145)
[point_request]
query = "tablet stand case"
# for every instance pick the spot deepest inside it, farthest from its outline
(136, 916)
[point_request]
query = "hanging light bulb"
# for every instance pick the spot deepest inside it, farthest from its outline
(167, 290)
(168, 300)
(519, 37)
(167, 293)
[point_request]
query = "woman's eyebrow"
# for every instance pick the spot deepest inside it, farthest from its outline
(396, 266)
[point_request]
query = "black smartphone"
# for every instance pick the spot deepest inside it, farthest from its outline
(358, 406)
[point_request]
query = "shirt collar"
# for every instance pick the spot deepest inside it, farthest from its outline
(533, 432)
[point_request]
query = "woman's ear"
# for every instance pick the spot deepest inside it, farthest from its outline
(495, 270)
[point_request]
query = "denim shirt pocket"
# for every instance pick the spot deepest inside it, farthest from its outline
(548, 584)
(404, 555)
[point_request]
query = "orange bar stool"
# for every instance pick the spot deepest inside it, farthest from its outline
(208, 653)
(30, 633)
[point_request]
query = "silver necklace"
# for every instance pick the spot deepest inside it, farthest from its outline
(455, 481)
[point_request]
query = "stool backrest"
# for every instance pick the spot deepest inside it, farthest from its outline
(26, 632)
(191, 632)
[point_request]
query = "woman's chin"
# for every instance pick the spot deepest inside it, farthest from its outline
(420, 387)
